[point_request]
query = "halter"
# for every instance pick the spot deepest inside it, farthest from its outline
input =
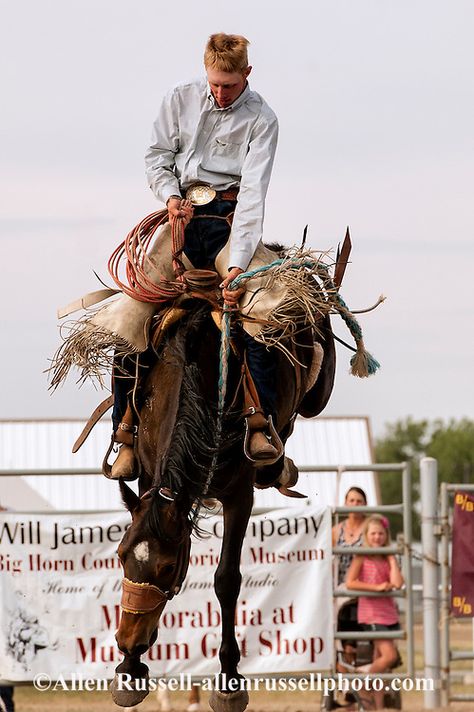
(141, 598)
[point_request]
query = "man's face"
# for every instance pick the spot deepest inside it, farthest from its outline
(227, 86)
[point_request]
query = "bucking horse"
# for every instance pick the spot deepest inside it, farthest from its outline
(190, 444)
(176, 441)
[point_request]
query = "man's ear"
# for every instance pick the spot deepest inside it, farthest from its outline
(247, 71)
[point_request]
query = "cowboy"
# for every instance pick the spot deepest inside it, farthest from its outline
(210, 161)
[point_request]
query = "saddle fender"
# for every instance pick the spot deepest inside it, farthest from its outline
(316, 399)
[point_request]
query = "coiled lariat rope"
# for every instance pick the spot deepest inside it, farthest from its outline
(139, 267)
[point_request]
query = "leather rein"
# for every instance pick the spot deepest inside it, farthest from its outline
(141, 598)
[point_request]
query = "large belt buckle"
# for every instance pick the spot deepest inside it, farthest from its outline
(200, 194)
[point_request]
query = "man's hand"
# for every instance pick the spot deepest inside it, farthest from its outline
(231, 297)
(180, 208)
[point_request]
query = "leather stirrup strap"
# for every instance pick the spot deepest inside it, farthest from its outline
(126, 430)
(255, 417)
(253, 411)
(101, 409)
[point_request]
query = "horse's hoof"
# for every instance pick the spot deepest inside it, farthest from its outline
(123, 696)
(228, 701)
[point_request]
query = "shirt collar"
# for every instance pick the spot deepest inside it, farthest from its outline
(235, 105)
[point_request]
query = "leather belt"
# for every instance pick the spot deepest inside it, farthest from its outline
(230, 194)
(202, 194)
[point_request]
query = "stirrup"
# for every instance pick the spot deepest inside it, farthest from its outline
(274, 440)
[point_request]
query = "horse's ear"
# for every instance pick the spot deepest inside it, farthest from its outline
(129, 498)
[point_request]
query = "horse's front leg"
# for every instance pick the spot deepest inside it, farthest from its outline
(130, 684)
(227, 582)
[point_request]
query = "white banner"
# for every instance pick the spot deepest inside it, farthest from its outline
(60, 581)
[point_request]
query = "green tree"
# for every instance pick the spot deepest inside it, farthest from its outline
(453, 446)
(404, 441)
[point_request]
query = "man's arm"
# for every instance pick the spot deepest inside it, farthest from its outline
(160, 156)
(247, 225)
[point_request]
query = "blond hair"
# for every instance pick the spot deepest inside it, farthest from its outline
(381, 521)
(226, 53)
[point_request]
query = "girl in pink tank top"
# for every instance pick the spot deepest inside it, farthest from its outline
(377, 573)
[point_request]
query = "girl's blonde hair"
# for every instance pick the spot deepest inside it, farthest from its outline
(226, 53)
(381, 521)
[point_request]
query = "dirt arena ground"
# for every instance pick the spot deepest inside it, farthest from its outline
(29, 700)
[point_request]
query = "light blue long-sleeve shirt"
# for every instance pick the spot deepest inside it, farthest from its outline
(194, 140)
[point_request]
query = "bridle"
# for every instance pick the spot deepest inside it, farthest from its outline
(141, 598)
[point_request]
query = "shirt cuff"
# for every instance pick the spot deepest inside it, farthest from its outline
(241, 261)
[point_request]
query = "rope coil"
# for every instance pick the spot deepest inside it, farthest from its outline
(139, 266)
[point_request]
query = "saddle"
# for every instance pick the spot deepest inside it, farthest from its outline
(201, 285)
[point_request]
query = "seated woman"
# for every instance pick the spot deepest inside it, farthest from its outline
(348, 533)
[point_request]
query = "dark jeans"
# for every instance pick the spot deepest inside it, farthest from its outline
(204, 239)
(262, 367)
(124, 371)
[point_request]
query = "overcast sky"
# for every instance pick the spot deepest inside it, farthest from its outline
(375, 102)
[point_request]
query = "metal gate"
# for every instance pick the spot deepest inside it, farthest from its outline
(403, 548)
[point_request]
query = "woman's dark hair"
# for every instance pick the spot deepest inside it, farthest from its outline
(359, 491)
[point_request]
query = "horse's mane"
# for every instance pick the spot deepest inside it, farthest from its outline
(152, 520)
(189, 458)
(277, 247)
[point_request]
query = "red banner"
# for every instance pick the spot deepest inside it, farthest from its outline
(462, 566)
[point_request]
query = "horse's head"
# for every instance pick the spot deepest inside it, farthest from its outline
(154, 553)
